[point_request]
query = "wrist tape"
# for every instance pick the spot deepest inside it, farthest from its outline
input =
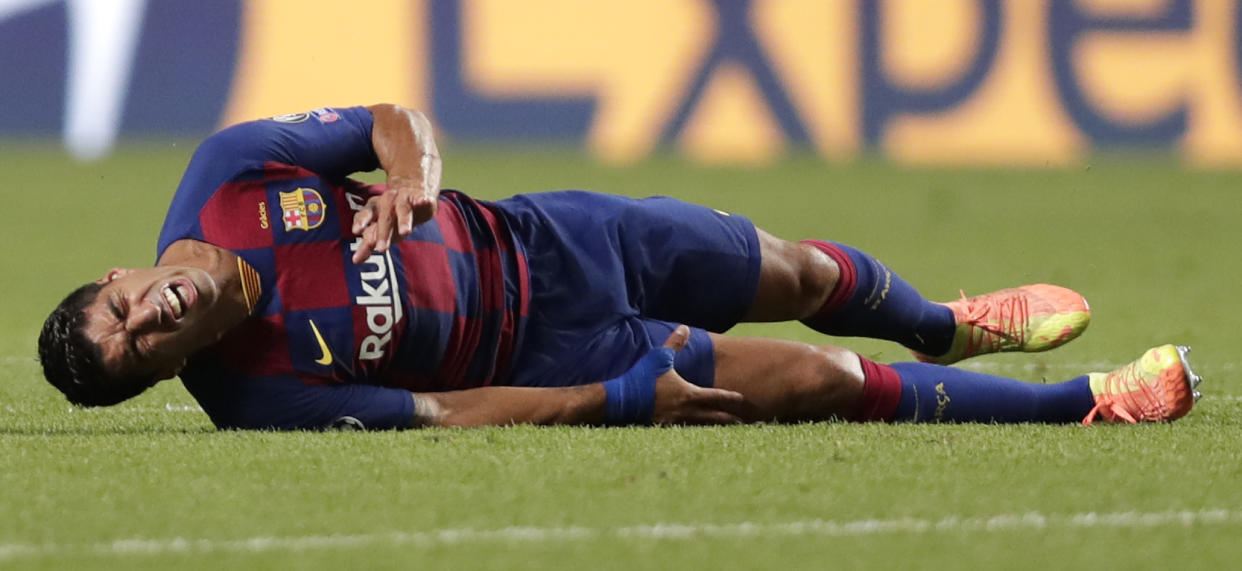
(630, 398)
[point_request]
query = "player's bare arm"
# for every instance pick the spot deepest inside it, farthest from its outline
(676, 402)
(405, 145)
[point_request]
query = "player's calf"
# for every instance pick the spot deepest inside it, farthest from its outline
(871, 300)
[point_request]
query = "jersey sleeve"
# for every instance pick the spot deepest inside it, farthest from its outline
(329, 142)
(285, 403)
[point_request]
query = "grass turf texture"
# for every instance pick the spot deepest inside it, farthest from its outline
(150, 484)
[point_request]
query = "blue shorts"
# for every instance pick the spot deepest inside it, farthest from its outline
(611, 277)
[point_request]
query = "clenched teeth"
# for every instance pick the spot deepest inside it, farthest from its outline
(173, 301)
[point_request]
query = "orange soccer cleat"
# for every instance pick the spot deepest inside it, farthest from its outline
(1158, 387)
(1030, 318)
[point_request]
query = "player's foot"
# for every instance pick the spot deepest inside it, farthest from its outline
(1029, 318)
(1158, 387)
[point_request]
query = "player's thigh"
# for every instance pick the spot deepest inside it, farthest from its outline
(595, 256)
(689, 264)
(787, 380)
(564, 357)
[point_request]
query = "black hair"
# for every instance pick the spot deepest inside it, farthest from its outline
(73, 364)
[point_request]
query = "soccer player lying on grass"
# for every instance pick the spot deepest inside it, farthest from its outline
(288, 296)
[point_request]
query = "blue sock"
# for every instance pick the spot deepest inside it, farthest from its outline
(932, 393)
(872, 301)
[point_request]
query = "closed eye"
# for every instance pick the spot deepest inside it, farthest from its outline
(116, 309)
(132, 345)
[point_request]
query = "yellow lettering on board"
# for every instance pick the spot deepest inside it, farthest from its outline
(634, 57)
(731, 123)
(637, 58)
(1015, 117)
(297, 55)
(1134, 77)
(813, 48)
(916, 62)
(1214, 135)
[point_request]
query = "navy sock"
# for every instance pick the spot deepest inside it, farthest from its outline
(871, 300)
(933, 393)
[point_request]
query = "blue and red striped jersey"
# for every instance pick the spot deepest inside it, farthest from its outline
(441, 310)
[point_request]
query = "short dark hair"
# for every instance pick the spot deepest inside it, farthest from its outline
(73, 364)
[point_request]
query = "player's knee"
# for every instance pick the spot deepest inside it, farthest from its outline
(817, 278)
(826, 373)
(812, 277)
(797, 279)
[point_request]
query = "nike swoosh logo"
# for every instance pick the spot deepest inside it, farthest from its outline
(326, 358)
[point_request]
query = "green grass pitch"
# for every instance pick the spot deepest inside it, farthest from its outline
(1154, 248)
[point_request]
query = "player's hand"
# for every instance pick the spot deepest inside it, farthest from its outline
(406, 149)
(391, 216)
(681, 402)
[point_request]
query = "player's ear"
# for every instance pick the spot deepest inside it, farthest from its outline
(113, 274)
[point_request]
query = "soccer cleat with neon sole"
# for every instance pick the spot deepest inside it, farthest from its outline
(1030, 318)
(1159, 387)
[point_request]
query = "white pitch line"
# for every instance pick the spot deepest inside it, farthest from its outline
(661, 531)
(168, 407)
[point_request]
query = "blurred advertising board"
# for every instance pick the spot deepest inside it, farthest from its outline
(1026, 82)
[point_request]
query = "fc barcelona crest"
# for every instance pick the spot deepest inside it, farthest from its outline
(301, 209)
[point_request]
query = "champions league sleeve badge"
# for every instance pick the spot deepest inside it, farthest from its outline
(301, 209)
(291, 117)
